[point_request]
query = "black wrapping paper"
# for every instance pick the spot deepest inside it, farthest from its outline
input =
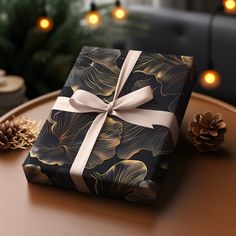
(127, 161)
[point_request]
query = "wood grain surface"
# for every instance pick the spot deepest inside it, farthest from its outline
(198, 197)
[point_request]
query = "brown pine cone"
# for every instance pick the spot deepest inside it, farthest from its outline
(8, 130)
(19, 133)
(206, 132)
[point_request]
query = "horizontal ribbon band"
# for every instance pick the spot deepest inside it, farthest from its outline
(124, 107)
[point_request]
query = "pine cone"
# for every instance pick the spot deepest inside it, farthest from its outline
(206, 132)
(8, 130)
(20, 132)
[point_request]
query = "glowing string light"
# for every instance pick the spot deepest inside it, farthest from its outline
(210, 79)
(229, 6)
(45, 23)
(119, 13)
(93, 17)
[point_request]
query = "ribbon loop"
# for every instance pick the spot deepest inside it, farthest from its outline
(84, 101)
(125, 107)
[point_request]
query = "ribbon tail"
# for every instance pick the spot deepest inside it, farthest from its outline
(148, 118)
(127, 67)
(77, 168)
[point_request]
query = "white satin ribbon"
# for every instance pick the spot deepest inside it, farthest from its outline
(124, 107)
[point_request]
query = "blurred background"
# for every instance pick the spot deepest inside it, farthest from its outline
(40, 40)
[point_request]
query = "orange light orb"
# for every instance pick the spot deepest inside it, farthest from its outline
(119, 13)
(93, 19)
(210, 79)
(45, 23)
(229, 6)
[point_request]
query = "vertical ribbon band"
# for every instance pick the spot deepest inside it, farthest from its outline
(124, 107)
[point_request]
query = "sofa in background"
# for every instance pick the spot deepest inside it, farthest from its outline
(180, 32)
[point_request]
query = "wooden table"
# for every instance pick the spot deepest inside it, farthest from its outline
(198, 198)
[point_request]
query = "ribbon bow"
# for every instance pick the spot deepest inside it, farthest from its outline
(124, 107)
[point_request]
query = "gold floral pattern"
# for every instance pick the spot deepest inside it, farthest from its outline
(102, 56)
(120, 179)
(126, 180)
(35, 175)
(159, 101)
(64, 133)
(95, 71)
(134, 139)
(60, 138)
(187, 60)
(168, 70)
(108, 140)
(127, 161)
(146, 192)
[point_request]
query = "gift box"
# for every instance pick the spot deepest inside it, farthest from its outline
(114, 125)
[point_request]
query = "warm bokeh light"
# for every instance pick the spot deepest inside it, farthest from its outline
(230, 6)
(119, 13)
(94, 19)
(2, 73)
(45, 23)
(210, 79)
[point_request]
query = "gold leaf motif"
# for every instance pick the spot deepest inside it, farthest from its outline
(170, 71)
(107, 141)
(187, 60)
(95, 71)
(174, 104)
(34, 174)
(145, 193)
(103, 56)
(63, 133)
(120, 179)
(136, 138)
(60, 138)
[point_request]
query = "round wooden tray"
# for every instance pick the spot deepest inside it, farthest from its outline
(198, 197)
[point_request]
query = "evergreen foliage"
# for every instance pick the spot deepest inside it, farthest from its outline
(43, 59)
